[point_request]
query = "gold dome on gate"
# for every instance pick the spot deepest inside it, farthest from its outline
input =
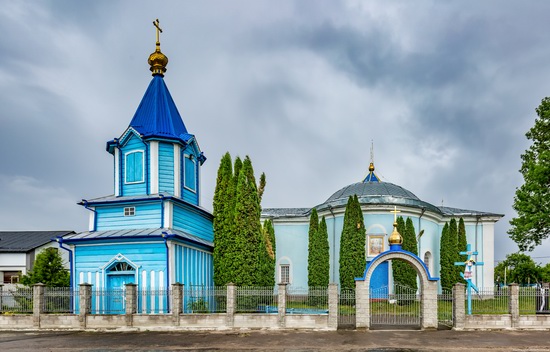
(395, 237)
(157, 59)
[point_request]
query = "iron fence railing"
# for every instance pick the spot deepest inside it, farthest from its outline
(445, 307)
(153, 301)
(18, 299)
(346, 308)
(59, 299)
(312, 300)
(205, 299)
(111, 301)
(490, 300)
(256, 300)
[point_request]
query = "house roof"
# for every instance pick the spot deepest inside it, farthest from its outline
(157, 114)
(25, 241)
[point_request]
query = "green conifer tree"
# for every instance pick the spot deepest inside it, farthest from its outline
(324, 249)
(246, 229)
(446, 259)
(462, 242)
(404, 273)
(223, 218)
(269, 233)
(48, 269)
(352, 245)
(453, 234)
(312, 253)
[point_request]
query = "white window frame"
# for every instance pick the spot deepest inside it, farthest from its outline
(142, 167)
(129, 211)
(281, 277)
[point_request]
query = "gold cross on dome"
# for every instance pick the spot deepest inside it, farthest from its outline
(156, 23)
(395, 211)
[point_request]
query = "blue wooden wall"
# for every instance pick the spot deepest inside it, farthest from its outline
(147, 215)
(188, 219)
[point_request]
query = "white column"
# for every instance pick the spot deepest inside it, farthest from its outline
(168, 214)
(488, 255)
(91, 219)
(117, 172)
(154, 166)
(177, 169)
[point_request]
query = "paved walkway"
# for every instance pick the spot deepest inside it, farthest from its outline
(374, 341)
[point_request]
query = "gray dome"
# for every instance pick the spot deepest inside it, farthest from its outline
(377, 193)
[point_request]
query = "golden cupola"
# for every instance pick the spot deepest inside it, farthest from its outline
(395, 237)
(157, 59)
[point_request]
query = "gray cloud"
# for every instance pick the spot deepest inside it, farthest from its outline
(446, 91)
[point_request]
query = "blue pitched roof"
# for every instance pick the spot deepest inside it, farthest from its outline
(157, 114)
(371, 177)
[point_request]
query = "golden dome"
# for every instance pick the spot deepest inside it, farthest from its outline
(395, 237)
(371, 167)
(158, 60)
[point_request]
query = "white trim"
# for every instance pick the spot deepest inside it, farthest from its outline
(91, 219)
(287, 261)
(194, 161)
(119, 258)
(177, 173)
(171, 262)
(117, 172)
(168, 214)
(142, 180)
(154, 166)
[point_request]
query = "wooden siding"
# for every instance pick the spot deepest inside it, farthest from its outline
(190, 220)
(92, 262)
(166, 167)
(147, 215)
(193, 267)
(131, 189)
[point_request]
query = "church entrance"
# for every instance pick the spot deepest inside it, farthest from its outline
(395, 306)
(118, 276)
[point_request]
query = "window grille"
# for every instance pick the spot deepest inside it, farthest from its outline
(129, 211)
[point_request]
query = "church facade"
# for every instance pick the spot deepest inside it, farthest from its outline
(152, 231)
(378, 199)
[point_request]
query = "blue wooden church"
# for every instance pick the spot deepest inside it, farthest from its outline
(152, 231)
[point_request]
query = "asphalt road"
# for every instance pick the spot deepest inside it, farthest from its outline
(374, 341)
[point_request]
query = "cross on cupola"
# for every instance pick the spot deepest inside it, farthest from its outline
(158, 60)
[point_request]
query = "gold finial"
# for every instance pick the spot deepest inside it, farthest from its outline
(395, 237)
(158, 60)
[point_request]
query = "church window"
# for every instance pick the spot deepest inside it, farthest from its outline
(134, 167)
(284, 274)
(190, 179)
(122, 266)
(129, 211)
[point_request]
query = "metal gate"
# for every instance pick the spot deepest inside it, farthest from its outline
(445, 309)
(395, 306)
(346, 309)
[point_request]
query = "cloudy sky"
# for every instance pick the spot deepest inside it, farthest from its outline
(446, 90)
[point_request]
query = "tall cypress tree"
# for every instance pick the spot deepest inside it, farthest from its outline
(446, 259)
(312, 250)
(223, 217)
(269, 237)
(462, 242)
(324, 249)
(352, 244)
(453, 234)
(247, 229)
(399, 267)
